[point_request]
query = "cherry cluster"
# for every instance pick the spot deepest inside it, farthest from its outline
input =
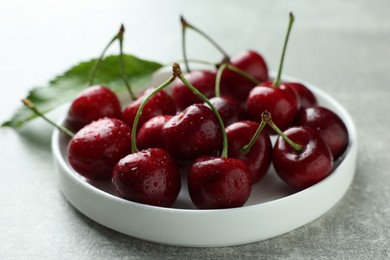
(213, 125)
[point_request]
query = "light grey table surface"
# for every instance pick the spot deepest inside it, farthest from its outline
(341, 46)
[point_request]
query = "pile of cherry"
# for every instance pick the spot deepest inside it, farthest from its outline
(213, 125)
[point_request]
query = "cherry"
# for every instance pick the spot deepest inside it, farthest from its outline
(258, 155)
(91, 104)
(300, 156)
(249, 61)
(149, 177)
(305, 96)
(149, 135)
(278, 99)
(329, 126)
(229, 109)
(203, 80)
(192, 132)
(216, 183)
(160, 104)
(98, 146)
(236, 85)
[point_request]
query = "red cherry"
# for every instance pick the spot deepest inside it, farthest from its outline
(305, 96)
(149, 135)
(149, 177)
(329, 126)
(281, 102)
(159, 104)
(304, 168)
(91, 104)
(229, 109)
(258, 158)
(216, 183)
(98, 146)
(202, 80)
(191, 133)
(237, 86)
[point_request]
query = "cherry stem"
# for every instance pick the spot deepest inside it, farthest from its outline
(184, 44)
(233, 68)
(122, 63)
(266, 116)
(180, 75)
(277, 81)
(192, 61)
(246, 148)
(99, 60)
(186, 25)
(134, 148)
(30, 105)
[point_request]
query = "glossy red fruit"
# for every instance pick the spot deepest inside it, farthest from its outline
(307, 167)
(306, 97)
(149, 177)
(237, 86)
(193, 132)
(217, 183)
(160, 104)
(330, 127)
(91, 104)
(258, 158)
(281, 102)
(98, 146)
(149, 135)
(202, 80)
(229, 109)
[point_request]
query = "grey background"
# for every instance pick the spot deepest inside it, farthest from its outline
(340, 46)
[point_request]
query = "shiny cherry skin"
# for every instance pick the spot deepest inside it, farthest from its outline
(149, 135)
(237, 86)
(307, 167)
(149, 177)
(160, 104)
(91, 104)
(217, 183)
(281, 102)
(192, 132)
(258, 158)
(229, 109)
(306, 97)
(202, 80)
(98, 146)
(329, 126)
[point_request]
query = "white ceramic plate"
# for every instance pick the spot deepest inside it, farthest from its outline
(273, 208)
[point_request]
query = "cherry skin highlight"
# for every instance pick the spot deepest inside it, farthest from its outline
(149, 177)
(98, 146)
(329, 126)
(91, 104)
(304, 168)
(217, 183)
(191, 133)
(281, 102)
(259, 156)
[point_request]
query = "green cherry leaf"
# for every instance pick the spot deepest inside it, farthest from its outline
(66, 86)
